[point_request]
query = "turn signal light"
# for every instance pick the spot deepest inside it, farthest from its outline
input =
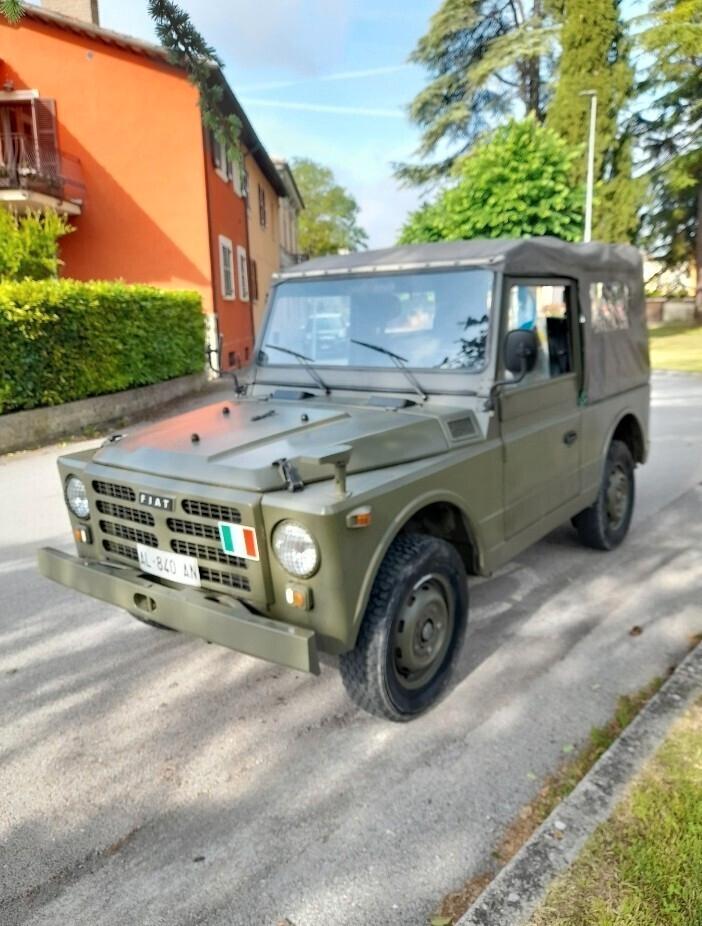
(361, 517)
(82, 535)
(298, 598)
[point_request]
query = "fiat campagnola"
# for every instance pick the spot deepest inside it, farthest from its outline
(413, 416)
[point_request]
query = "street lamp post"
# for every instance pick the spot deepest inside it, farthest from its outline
(587, 236)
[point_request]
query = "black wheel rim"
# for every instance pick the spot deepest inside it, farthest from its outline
(617, 497)
(422, 632)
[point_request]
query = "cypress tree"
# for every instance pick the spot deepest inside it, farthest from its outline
(594, 56)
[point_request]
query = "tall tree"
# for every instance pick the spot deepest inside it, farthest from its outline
(672, 135)
(329, 221)
(595, 56)
(484, 57)
(515, 183)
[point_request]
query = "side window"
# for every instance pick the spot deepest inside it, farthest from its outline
(543, 308)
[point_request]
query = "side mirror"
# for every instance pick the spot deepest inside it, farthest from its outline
(520, 351)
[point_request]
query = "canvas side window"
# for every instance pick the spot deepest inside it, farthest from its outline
(543, 308)
(226, 267)
(609, 305)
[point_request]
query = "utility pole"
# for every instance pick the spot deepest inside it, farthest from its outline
(590, 184)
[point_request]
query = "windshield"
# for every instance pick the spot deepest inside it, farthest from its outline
(431, 320)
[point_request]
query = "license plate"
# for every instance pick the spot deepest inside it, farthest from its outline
(173, 566)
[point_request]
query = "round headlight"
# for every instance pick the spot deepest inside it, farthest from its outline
(77, 497)
(296, 549)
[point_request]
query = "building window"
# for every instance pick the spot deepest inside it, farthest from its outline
(226, 267)
(254, 281)
(222, 164)
(236, 179)
(262, 206)
(243, 267)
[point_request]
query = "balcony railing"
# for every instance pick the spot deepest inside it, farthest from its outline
(27, 165)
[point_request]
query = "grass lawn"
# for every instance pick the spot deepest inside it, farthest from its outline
(643, 867)
(676, 347)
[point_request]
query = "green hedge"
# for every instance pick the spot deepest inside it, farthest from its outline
(62, 340)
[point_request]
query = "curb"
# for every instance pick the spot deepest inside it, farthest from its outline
(511, 898)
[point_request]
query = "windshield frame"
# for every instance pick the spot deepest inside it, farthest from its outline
(431, 373)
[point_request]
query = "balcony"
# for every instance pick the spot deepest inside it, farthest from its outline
(37, 176)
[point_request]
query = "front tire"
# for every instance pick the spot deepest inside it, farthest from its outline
(605, 524)
(412, 630)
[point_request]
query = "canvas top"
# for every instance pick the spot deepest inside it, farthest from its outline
(527, 255)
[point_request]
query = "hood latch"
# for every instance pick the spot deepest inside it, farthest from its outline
(290, 475)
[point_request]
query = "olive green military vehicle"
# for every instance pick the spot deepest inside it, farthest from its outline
(413, 416)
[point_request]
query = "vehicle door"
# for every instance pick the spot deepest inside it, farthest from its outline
(540, 416)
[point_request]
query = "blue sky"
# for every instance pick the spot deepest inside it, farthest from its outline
(326, 79)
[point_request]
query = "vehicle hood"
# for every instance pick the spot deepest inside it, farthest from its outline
(241, 448)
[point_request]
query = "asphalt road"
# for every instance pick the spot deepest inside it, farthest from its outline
(147, 778)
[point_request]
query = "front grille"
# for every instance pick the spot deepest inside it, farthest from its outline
(125, 514)
(212, 511)
(122, 526)
(231, 580)
(124, 532)
(211, 554)
(120, 549)
(113, 490)
(193, 529)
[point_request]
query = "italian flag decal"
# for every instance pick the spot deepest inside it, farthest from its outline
(238, 541)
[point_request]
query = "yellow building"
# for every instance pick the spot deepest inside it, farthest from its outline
(264, 189)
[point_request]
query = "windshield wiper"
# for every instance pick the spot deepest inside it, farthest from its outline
(305, 362)
(399, 363)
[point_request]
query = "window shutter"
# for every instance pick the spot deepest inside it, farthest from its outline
(254, 281)
(48, 160)
(262, 206)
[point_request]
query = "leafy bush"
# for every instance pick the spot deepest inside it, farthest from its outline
(29, 244)
(515, 183)
(64, 340)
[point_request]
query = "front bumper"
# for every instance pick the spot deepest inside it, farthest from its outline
(187, 610)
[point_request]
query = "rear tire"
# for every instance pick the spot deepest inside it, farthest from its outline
(605, 524)
(412, 630)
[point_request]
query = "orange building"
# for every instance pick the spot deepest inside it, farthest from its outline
(104, 128)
